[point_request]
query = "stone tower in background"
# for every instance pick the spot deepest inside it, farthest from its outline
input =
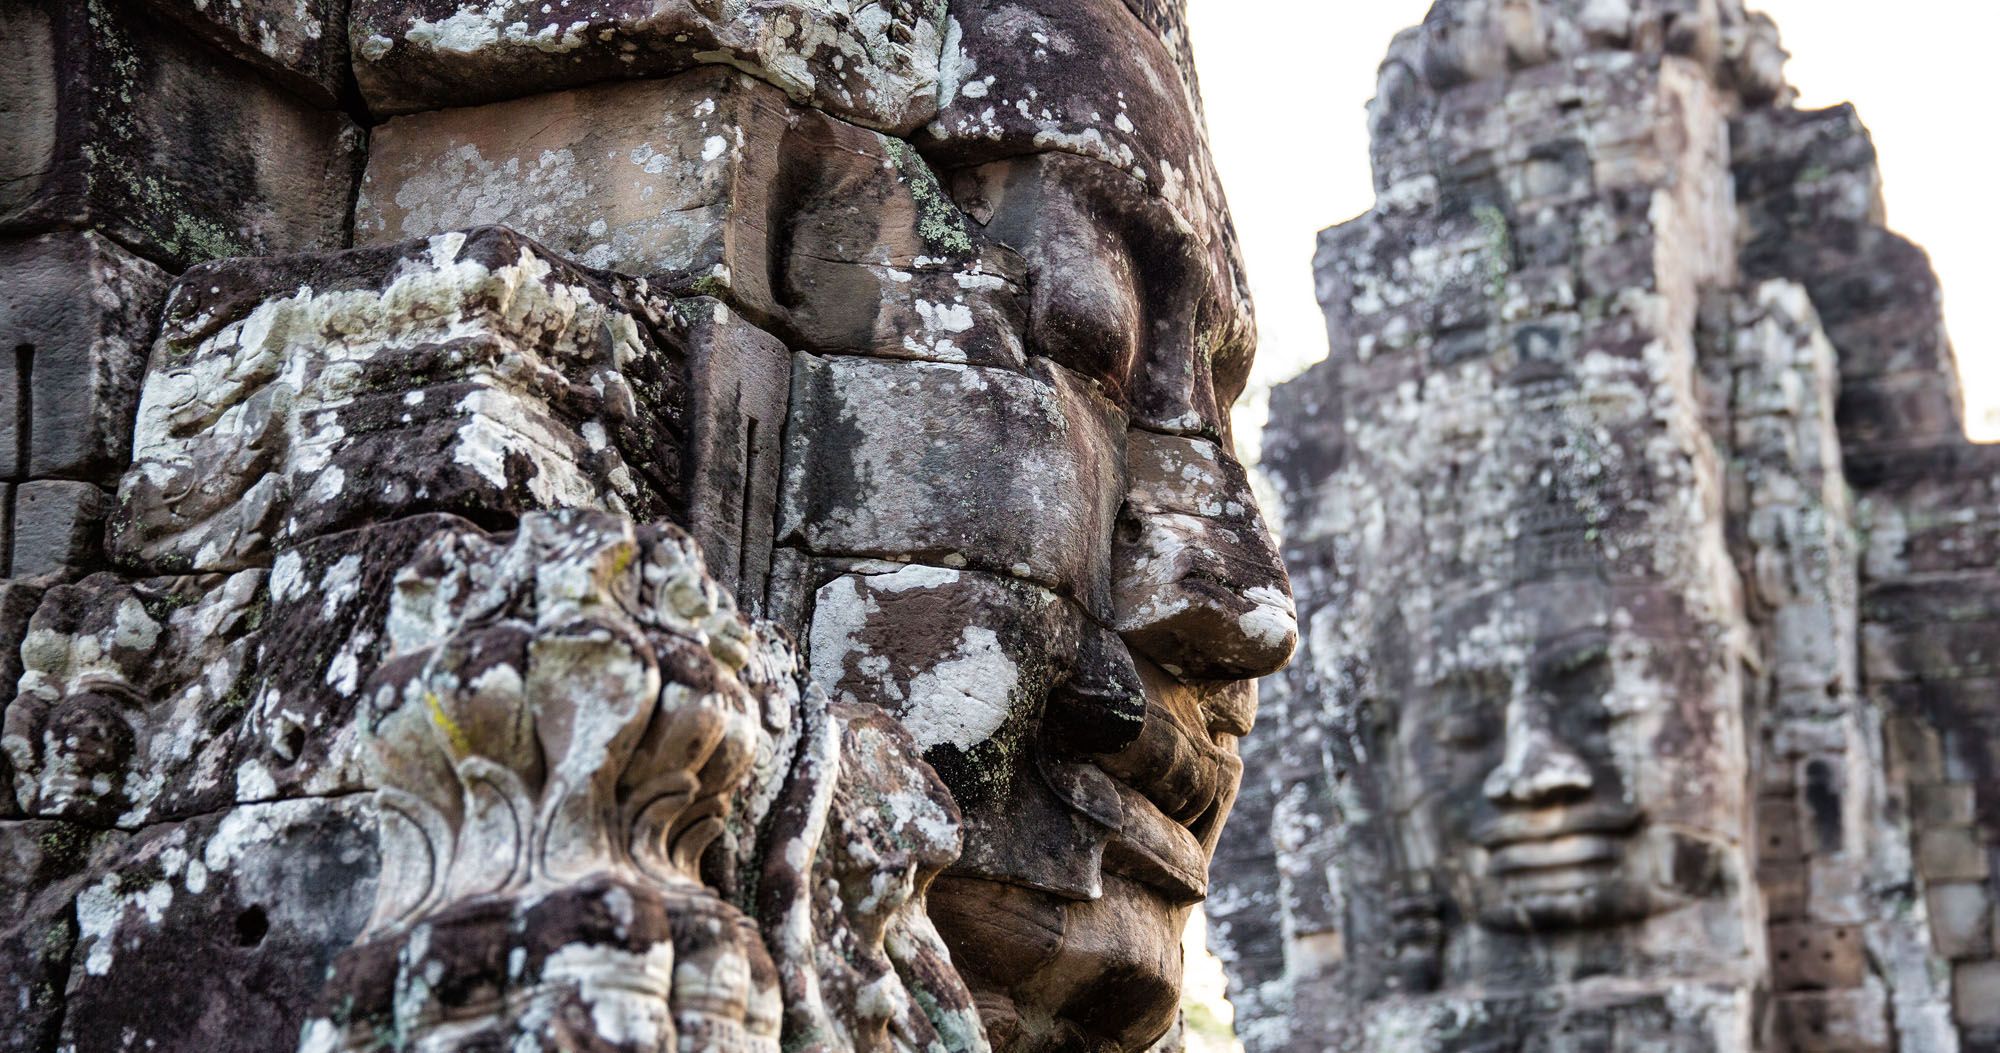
(1648, 586)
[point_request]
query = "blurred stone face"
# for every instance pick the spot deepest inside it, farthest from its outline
(1549, 682)
(1516, 757)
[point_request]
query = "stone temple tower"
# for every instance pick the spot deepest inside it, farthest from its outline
(1647, 584)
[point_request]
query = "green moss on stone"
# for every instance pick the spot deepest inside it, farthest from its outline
(939, 222)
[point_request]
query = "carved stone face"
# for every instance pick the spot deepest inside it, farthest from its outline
(1516, 756)
(1085, 716)
(1547, 690)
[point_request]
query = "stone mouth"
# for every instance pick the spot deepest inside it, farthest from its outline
(1576, 851)
(1533, 830)
(1157, 851)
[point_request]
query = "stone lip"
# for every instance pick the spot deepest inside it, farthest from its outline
(1512, 827)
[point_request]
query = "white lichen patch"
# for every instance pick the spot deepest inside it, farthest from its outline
(281, 378)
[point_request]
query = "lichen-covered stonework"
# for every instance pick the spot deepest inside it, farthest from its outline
(613, 525)
(1629, 713)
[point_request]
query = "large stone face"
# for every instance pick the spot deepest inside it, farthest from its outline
(1618, 517)
(370, 664)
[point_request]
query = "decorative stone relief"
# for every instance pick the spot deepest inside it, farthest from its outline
(399, 653)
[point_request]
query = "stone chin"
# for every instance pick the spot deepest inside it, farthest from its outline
(1054, 975)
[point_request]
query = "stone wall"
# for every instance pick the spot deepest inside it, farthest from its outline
(1624, 353)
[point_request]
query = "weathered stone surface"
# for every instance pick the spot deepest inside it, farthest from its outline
(1121, 292)
(741, 382)
(6, 523)
(255, 902)
(42, 867)
(1094, 79)
(835, 237)
(1198, 565)
(57, 528)
(1813, 212)
(879, 467)
(301, 44)
(128, 126)
(274, 419)
(581, 749)
(1606, 506)
(77, 311)
(154, 700)
(877, 67)
(645, 178)
(402, 537)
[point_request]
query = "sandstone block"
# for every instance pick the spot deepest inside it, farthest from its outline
(57, 526)
(960, 657)
(216, 933)
(18, 600)
(1786, 889)
(128, 126)
(1942, 804)
(525, 381)
(1778, 833)
(77, 311)
(1812, 956)
(1961, 919)
(1119, 292)
(41, 867)
(14, 397)
(880, 71)
(1951, 853)
(835, 237)
(741, 381)
(1975, 990)
(1832, 1021)
(644, 178)
(1091, 78)
(301, 44)
(1021, 477)
(925, 308)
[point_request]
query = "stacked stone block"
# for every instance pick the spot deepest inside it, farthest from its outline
(1929, 619)
(143, 138)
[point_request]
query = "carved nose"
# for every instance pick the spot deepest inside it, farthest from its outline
(1198, 583)
(1538, 767)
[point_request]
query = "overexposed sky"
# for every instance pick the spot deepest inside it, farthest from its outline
(1284, 83)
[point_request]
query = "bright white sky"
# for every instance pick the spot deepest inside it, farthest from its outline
(1285, 92)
